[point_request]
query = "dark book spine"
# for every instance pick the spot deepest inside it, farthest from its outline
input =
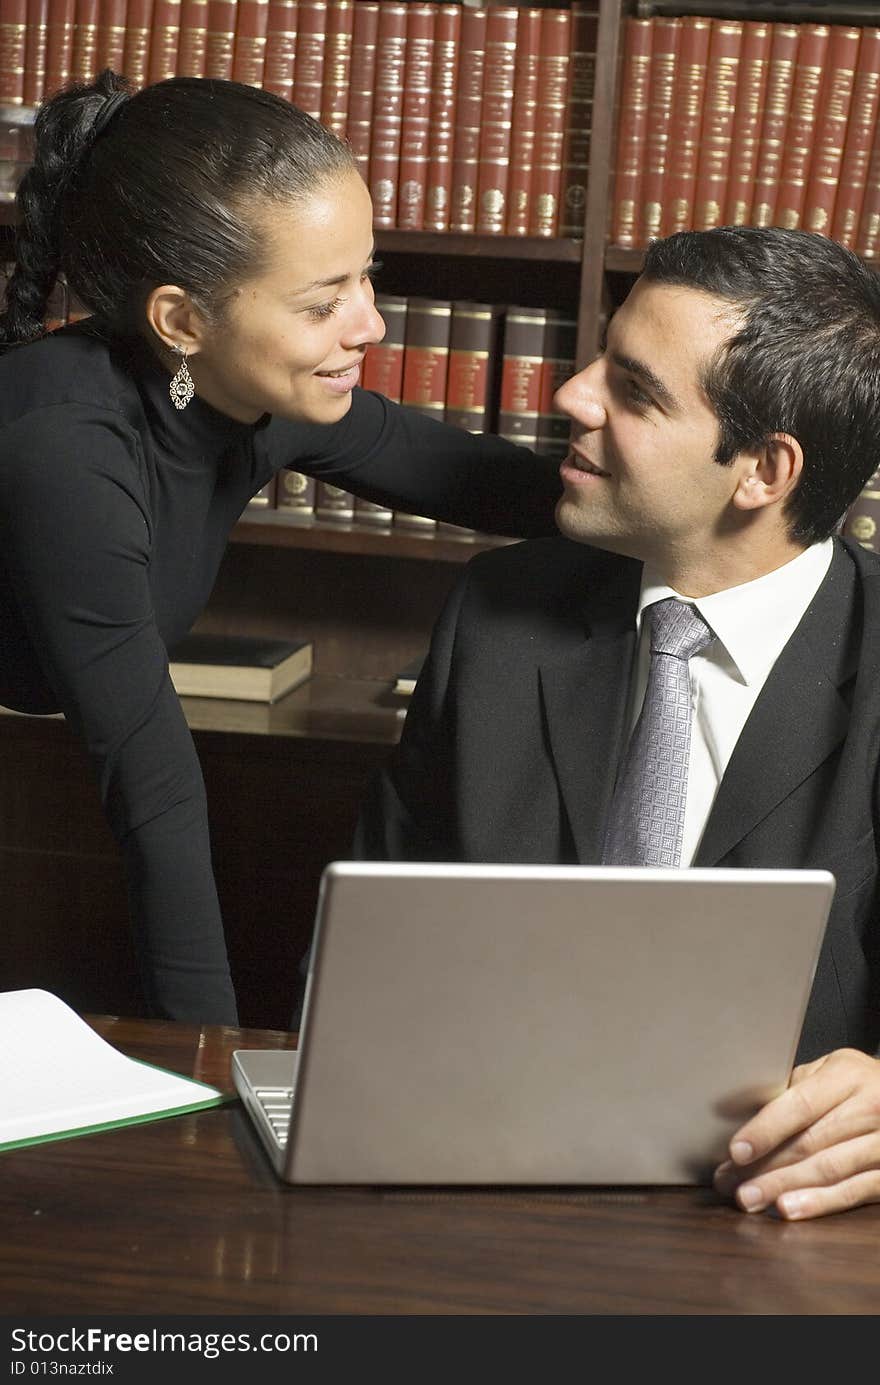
(557, 366)
(863, 516)
(138, 27)
(13, 51)
(553, 68)
(525, 107)
(493, 170)
(579, 116)
(337, 67)
(383, 372)
(387, 112)
(835, 102)
(281, 28)
(34, 81)
(859, 136)
(425, 371)
(333, 503)
(713, 164)
(264, 498)
(415, 114)
(362, 82)
(473, 357)
(441, 125)
(164, 40)
(311, 47)
(468, 108)
(295, 493)
(664, 59)
(748, 115)
(800, 131)
(780, 85)
(249, 53)
(523, 355)
(632, 132)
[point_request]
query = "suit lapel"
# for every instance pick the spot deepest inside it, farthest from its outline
(798, 719)
(585, 695)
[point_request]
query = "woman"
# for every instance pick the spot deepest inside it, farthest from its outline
(222, 241)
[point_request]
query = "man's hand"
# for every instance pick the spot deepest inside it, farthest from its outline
(815, 1148)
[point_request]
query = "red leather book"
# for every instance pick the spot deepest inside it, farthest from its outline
(664, 60)
(525, 106)
(473, 364)
(748, 114)
(337, 66)
(441, 119)
(13, 51)
(295, 494)
(522, 359)
(416, 116)
(632, 132)
(859, 137)
(468, 108)
(713, 163)
(59, 43)
(800, 132)
(780, 86)
(83, 56)
(249, 52)
(361, 85)
(579, 116)
(868, 238)
(684, 126)
(425, 370)
(383, 371)
(164, 40)
(281, 26)
(835, 102)
(34, 80)
(493, 169)
(138, 26)
(557, 366)
(222, 16)
(550, 119)
(311, 44)
(387, 111)
(110, 47)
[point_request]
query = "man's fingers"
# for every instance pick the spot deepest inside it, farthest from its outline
(831, 1180)
(812, 1103)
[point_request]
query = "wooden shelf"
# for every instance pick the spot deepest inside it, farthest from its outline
(540, 248)
(621, 259)
(280, 530)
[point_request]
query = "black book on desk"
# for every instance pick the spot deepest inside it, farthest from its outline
(405, 681)
(243, 667)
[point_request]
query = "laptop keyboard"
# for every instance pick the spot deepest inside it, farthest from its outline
(276, 1104)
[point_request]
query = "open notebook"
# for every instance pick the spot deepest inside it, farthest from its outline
(59, 1078)
(537, 1024)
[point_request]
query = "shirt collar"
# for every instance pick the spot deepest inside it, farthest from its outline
(754, 620)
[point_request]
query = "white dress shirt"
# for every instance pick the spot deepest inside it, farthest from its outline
(753, 623)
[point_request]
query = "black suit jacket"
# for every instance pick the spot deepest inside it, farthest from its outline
(510, 748)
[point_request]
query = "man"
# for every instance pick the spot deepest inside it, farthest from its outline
(715, 444)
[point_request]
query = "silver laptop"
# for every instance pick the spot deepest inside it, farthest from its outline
(537, 1024)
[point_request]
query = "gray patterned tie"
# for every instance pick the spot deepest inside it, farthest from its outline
(646, 819)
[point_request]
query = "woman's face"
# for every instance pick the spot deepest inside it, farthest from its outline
(293, 338)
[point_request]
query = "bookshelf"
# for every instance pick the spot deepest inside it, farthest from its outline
(284, 782)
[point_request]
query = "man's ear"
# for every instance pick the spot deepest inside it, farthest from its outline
(174, 319)
(771, 473)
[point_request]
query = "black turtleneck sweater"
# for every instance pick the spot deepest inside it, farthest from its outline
(115, 511)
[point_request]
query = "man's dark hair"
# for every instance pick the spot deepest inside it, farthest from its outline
(805, 362)
(166, 186)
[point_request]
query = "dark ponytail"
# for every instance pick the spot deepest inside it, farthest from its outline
(64, 131)
(124, 195)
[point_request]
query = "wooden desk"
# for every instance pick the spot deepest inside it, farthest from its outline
(185, 1216)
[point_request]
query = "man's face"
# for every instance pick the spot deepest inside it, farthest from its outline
(640, 477)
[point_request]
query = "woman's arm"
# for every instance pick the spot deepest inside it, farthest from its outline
(76, 549)
(400, 458)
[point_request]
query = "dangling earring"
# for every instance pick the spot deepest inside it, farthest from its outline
(181, 387)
